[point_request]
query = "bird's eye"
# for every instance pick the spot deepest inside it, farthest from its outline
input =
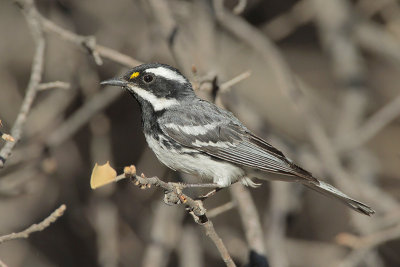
(148, 78)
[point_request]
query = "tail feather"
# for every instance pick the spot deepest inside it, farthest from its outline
(335, 193)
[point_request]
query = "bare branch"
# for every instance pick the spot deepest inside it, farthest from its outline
(221, 209)
(363, 245)
(279, 207)
(87, 43)
(283, 25)
(36, 227)
(240, 7)
(371, 240)
(371, 7)
(336, 25)
(372, 126)
(190, 249)
(83, 115)
(174, 195)
(212, 234)
(374, 38)
(228, 84)
(165, 233)
(30, 12)
(250, 219)
(53, 85)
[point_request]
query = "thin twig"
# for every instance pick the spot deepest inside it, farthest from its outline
(190, 249)
(165, 234)
(371, 240)
(98, 102)
(36, 227)
(371, 7)
(285, 24)
(228, 84)
(88, 43)
(53, 85)
(221, 209)
(374, 38)
(30, 12)
(250, 218)
(240, 7)
(83, 115)
(363, 245)
(332, 17)
(174, 195)
(279, 207)
(212, 234)
(372, 126)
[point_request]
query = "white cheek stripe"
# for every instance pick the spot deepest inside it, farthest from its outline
(157, 103)
(167, 74)
(194, 130)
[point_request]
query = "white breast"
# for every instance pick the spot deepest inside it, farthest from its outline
(221, 173)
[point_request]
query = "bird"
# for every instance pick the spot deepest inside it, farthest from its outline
(191, 135)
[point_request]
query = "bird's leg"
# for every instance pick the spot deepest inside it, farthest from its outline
(209, 194)
(199, 185)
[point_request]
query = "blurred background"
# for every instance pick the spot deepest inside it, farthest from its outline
(324, 88)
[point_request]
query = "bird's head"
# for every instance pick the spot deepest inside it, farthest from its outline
(159, 85)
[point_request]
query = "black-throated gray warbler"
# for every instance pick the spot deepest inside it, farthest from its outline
(191, 135)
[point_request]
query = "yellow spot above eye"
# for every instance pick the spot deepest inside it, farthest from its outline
(134, 75)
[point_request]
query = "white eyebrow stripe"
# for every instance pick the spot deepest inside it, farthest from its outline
(167, 74)
(157, 103)
(194, 130)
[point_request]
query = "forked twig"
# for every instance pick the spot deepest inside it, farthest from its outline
(173, 195)
(30, 12)
(36, 227)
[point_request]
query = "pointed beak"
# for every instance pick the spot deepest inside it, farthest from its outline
(115, 82)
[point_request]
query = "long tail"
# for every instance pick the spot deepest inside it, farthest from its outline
(335, 193)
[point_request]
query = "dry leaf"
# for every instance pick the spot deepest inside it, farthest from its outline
(102, 175)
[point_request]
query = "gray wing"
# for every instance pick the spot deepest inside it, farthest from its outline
(219, 134)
